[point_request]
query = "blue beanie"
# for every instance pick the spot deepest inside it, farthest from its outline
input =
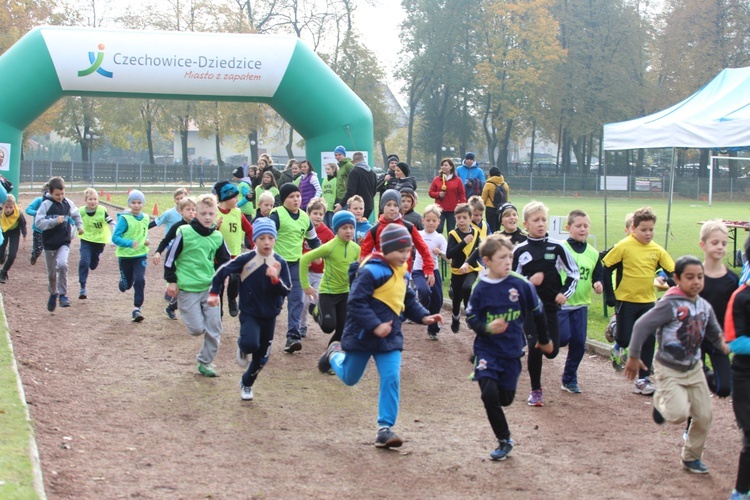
(136, 195)
(225, 190)
(340, 149)
(388, 195)
(263, 225)
(469, 156)
(343, 218)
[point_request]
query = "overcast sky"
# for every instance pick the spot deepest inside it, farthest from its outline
(379, 26)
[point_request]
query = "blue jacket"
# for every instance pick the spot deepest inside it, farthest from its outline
(365, 312)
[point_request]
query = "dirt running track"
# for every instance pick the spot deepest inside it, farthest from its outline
(120, 411)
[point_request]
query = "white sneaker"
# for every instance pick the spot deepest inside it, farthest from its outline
(241, 359)
(644, 386)
(246, 393)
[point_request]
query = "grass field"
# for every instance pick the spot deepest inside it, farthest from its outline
(684, 232)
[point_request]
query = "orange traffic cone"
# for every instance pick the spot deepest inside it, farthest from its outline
(109, 196)
(101, 193)
(576, 194)
(156, 209)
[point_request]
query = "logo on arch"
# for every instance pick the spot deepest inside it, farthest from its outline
(96, 60)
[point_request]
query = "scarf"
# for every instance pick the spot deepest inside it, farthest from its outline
(8, 222)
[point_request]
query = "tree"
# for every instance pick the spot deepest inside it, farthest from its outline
(78, 122)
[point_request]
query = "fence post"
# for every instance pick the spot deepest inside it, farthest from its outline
(93, 169)
(72, 172)
(731, 188)
(165, 176)
(698, 194)
(531, 180)
(563, 183)
(117, 174)
(191, 176)
(218, 173)
(140, 175)
(50, 170)
(32, 175)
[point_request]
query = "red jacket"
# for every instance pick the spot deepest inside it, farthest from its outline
(324, 235)
(454, 192)
(369, 244)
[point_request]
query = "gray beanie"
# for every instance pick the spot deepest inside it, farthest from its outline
(388, 195)
(394, 237)
(136, 195)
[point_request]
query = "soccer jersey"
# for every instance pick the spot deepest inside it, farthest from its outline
(639, 265)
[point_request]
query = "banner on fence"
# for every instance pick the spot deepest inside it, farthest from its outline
(648, 184)
(614, 183)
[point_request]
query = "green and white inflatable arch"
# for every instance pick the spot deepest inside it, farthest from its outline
(51, 62)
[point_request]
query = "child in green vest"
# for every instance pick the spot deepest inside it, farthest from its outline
(267, 183)
(97, 229)
(293, 227)
(573, 317)
(189, 269)
(234, 227)
(131, 238)
(329, 192)
(266, 202)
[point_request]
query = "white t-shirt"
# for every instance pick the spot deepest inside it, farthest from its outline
(433, 240)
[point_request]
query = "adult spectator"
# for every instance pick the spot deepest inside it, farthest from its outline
(308, 183)
(362, 181)
(448, 191)
(403, 179)
(494, 194)
(245, 172)
(290, 173)
(388, 180)
(342, 176)
(471, 175)
(265, 165)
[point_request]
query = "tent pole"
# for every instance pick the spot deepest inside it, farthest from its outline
(711, 181)
(603, 170)
(671, 196)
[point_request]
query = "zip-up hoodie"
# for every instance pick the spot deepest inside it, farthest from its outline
(54, 234)
(337, 255)
(680, 324)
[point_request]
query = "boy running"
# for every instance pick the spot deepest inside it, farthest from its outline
(98, 227)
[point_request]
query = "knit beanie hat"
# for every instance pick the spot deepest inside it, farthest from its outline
(388, 195)
(343, 218)
(225, 190)
(494, 171)
(407, 191)
(238, 173)
(340, 149)
(136, 195)
(263, 225)
(503, 208)
(469, 156)
(286, 189)
(404, 167)
(394, 237)
(392, 158)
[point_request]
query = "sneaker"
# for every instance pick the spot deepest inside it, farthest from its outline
(504, 447)
(138, 316)
(170, 313)
(386, 438)
(736, 495)
(32, 260)
(303, 332)
(292, 345)
(535, 398)
(609, 332)
(207, 369)
(82, 294)
(3, 276)
(616, 357)
(433, 336)
(233, 310)
(571, 388)
(455, 324)
(52, 302)
(324, 363)
(64, 301)
(659, 418)
(644, 386)
(695, 466)
(241, 359)
(246, 393)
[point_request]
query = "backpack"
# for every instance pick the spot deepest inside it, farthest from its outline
(473, 187)
(500, 197)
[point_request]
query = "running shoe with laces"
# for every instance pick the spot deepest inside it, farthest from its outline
(170, 313)
(644, 386)
(292, 345)
(695, 466)
(386, 438)
(246, 393)
(64, 301)
(241, 359)
(52, 302)
(324, 363)
(535, 398)
(138, 316)
(83, 294)
(504, 447)
(207, 369)
(455, 324)
(572, 388)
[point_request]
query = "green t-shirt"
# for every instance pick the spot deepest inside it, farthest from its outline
(137, 231)
(337, 256)
(195, 264)
(291, 234)
(95, 227)
(586, 264)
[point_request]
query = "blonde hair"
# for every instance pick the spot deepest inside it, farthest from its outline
(628, 220)
(180, 191)
(533, 207)
(494, 242)
(89, 191)
(187, 200)
(317, 204)
(334, 166)
(266, 196)
(476, 203)
(432, 209)
(709, 227)
(356, 197)
(207, 199)
(10, 200)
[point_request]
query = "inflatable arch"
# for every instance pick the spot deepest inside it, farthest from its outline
(51, 62)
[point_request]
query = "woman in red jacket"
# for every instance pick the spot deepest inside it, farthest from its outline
(448, 191)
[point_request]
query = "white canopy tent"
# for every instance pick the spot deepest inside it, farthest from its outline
(716, 116)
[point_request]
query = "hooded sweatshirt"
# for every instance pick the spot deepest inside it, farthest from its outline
(680, 324)
(488, 192)
(362, 181)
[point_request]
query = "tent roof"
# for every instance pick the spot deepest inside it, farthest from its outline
(717, 116)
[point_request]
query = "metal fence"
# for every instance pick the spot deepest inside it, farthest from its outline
(82, 174)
